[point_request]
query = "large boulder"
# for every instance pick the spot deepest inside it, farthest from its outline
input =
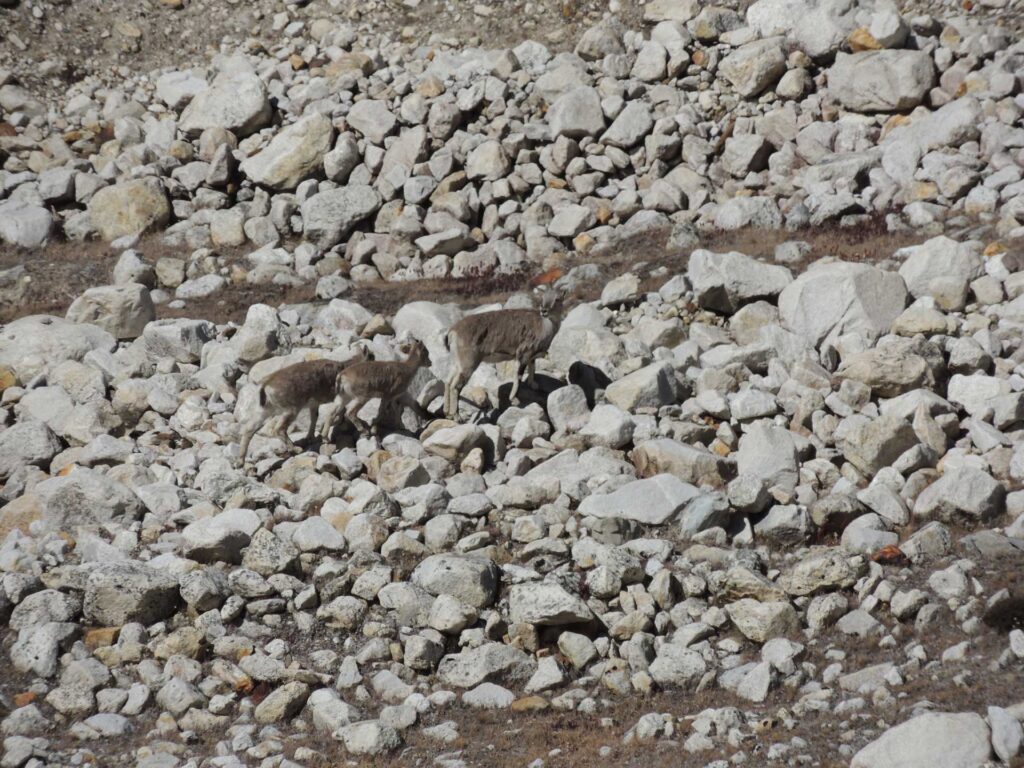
(650, 387)
(872, 444)
(129, 208)
(690, 463)
(88, 498)
(122, 310)
(294, 154)
(117, 593)
(488, 663)
(652, 501)
(24, 224)
(236, 101)
(768, 453)
(472, 579)
(754, 67)
(546, 604)
(328, 217)
(943, 269)
(28, 442)
(834, 298)
(963, 493)
(952, 740)
(577, 114)
(881, 81)
(30, 345)
(724, 282)
(372, 118)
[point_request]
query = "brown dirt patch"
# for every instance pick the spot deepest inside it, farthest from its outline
(63, 270)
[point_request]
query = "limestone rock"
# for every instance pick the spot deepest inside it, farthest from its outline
(653, 501)
(24, 225)
(472, 579)
(831, 299)
(881, 81)
(117, 593)
(129, 208)
(236, 101)
(328, 217)
(546, 604)
(952, 740)
(294, 154)
(122, 310)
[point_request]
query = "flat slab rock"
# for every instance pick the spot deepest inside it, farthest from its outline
(930, 740)
(653, 501)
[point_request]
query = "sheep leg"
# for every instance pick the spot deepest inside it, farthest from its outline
(352, 413)
(243, 446)
(312, 423)
(520, 370)
(331, 420)
(282, 430)
(453, 391)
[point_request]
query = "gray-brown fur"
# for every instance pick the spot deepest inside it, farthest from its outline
(387, 380)
(303, 386)
(492, 337)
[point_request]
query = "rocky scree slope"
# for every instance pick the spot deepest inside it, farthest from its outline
(799, 491)
(337, 156)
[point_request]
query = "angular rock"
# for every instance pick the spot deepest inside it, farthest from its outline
(831, 299)
(24, 225)
(328, 217)
(724, 282)
(952, 740)
(964, 493)
(754, 67)
(369, 737)
(372, 118)
(117, 593)
(761, 622)
(576, 114)
(488, 663)
(121, 310)
(652, 501)
(871, 444)
(294, 154)
(27, 443)
(649, 387)
(942, 268)
(236, 101)
(85, 497)
(472, 579)
(677, 666)
(221, 537)
(546, 604)
(690, 463)
(129, 208)
(826, 570)
(881, 81)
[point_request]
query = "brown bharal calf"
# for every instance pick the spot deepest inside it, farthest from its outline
(303, 386)
(493, 337)
(387, 380)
